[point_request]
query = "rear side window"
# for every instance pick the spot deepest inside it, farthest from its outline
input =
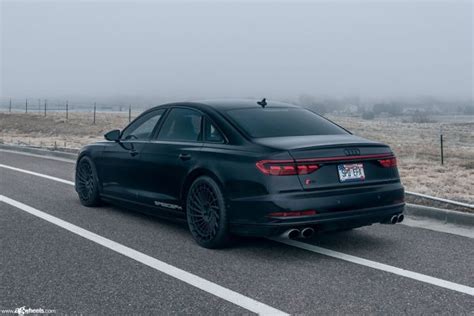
(211, 133)
(278, 122)
(181, 125)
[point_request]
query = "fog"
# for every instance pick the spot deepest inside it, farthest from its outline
(182, 50)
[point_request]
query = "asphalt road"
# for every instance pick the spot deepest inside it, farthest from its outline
(46, 263)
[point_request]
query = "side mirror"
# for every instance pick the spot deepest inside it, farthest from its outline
(113, 135)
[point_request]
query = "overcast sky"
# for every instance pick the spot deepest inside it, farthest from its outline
(240, 49)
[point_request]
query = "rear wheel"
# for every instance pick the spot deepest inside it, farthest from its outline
(206, 213)
(87, 183)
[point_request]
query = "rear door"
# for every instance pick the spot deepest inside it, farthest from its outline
(168, 158)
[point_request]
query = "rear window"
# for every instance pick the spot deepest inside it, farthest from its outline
(278, 122)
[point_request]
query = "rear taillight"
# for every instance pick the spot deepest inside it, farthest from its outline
(285, 167)
(389, 162)
(293, 213)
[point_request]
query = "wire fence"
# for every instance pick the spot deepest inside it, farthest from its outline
(46, 108)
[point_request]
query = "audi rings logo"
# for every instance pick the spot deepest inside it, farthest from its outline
(352, 152)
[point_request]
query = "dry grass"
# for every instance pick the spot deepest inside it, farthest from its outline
(78, 130)
(416, 145)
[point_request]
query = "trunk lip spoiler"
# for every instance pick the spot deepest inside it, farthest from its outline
(329, 159)
(344, 158)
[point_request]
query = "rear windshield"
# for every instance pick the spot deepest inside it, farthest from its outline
(278, 122)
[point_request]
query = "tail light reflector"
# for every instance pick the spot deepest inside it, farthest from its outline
(293, 213)
(389, 162)
(285, 167)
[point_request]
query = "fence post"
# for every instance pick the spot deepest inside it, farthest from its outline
(10, 106)
(67, 110)
(95, 107)
(129, 113)
(45, 107)
(39, 105)
(26, 106)
(441, 144)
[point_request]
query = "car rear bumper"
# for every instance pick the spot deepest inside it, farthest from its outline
(336, 209)
(323, 222)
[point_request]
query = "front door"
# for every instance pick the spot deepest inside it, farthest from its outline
(120, 161)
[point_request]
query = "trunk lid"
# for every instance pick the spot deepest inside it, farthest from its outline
(334, 152)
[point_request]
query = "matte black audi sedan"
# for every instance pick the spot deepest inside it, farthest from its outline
(243, 167)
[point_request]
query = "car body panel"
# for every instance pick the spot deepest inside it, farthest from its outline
(162, 172)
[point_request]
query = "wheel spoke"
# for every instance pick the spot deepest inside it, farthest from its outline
(195, 206)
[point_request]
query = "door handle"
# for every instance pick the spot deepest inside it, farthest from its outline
(184, 156)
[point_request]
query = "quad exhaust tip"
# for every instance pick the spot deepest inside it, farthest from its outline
(394, 219)
(296, 233)
(291, 233)
(307, 232)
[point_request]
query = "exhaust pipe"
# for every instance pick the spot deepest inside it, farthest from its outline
(291, 233)
(394, 219)
(307, 232)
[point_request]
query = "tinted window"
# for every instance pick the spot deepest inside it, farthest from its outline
(143, 127)
(212, 134)
(181, 125)
(276, 122)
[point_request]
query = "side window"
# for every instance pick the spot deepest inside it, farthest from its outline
(212, 134)
(143, 127)
(181, 125)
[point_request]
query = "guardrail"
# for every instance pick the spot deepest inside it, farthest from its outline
(441, 199)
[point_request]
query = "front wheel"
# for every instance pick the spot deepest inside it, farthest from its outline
(87, 182)
(206, 213)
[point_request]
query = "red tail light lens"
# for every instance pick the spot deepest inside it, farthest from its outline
(285, 167)
(389, 162)
(293, 213)
(307, 168)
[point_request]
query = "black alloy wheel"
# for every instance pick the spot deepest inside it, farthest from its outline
(86, 182)
(206, 213)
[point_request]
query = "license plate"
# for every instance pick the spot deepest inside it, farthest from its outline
(351, 172)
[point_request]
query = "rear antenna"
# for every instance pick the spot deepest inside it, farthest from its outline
(262, 103)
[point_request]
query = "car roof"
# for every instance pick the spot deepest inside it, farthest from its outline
(229, 104)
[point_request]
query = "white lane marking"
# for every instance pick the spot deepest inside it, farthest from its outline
(37, 155)
(37, 174)
(189, 278)
(379, 266)
(338, 255)
(434, 225)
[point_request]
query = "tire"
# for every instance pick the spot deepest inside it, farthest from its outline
(87, 182)
(206, 214)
